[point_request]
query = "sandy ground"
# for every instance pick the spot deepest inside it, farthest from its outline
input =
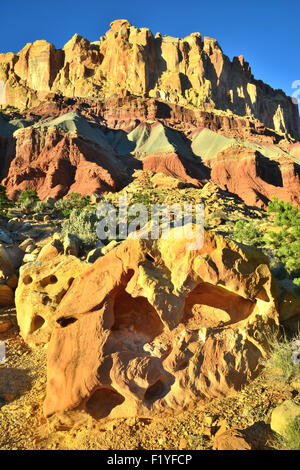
(22, 425)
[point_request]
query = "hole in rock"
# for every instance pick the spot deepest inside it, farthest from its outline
(63, 322)
(37, 323)
(136, 321)
(150, 258)
(46, 300)
(27, 280)
(155, 391)
(48, 280)
(102, 402)
(212, 306)
(60, 296)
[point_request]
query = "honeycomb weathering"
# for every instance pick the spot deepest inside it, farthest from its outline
(42, 286)
(170, 327)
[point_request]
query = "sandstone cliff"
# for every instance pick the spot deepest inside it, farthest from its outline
(192, 71)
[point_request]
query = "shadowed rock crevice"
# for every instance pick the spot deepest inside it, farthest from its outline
(136, 321)
(212, 306)
(37, 323)
(102, 402)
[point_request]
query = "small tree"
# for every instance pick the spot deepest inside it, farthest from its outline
(4, 201)
(27, 199)
(247, 233)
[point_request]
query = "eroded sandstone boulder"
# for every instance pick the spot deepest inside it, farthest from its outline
(153, 326)
(42, 285)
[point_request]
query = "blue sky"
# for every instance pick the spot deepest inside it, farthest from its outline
(264, 31)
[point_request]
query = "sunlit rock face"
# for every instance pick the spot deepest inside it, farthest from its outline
(41, 287)
(154, 326)
(188, 71)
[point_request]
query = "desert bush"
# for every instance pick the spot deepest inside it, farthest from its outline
(284, 212)
(279, 365)
(74, 201)
(41, 206)
(291, 440)
(27, 199)
(286, 242)
(245, 232)
(4, 201)
(64, 206)
(219, 213)
(82, 223)
(277, 267)
(78, 201)
(283, 246)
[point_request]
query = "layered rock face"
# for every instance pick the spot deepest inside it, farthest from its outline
(154, 326)
(130, 60)
(253, 171)
(96, 150)
(62, 156)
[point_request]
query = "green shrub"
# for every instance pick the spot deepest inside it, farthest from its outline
(82, 223)
(64, 206)
(245, 232)
(286, 243)
(28, 195)
(4, 201)
(78, 201)
(27, 199)
(291, 441)
(284, 212)
(74, 201)
(277, 267)
(279, 365)
(41, 206)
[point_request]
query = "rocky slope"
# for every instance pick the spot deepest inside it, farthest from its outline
(58, 148)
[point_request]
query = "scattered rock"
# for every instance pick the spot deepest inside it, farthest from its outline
(6, 296)
(232, 439)
(12, 282)
(51, 250)
(14, 224)
(27, 243)
(5, 237)
(29, 258)
(5, 325)
(283, 415)
(71, 245)
(6, 264)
